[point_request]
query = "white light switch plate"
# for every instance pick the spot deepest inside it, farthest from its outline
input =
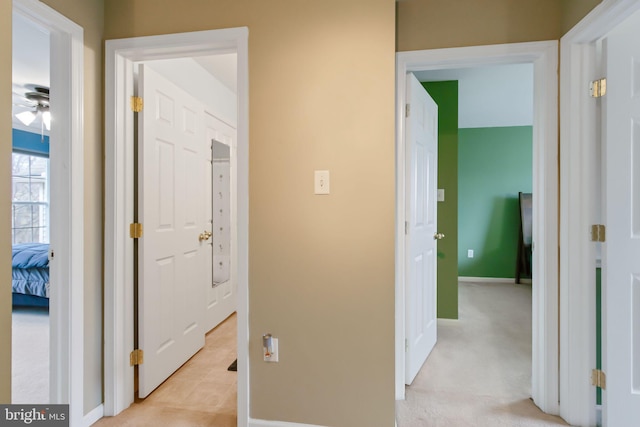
(321, 182)
(441, 194)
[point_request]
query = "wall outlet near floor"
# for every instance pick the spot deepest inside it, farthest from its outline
(470, 253)
(272, 354)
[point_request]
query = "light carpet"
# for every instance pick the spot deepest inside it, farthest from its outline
(30, 356)
(479, 373)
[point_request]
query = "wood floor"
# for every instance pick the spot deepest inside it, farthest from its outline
(202, 393)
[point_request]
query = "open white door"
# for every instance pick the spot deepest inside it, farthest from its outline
(421, 158)
(621, 302)
(173, 156)
(221, 191)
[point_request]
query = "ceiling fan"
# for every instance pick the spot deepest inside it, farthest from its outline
(36, 100)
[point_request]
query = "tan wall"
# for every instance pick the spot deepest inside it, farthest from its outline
(431, 24)
(574, 10)
(87, 14)
(5, 195)
(321, 267)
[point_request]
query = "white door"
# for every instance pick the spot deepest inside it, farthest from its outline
(421, 139)
(621, 337)
(172, 159)
(221, 193)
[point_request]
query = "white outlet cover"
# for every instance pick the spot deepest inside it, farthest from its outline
(441, 194)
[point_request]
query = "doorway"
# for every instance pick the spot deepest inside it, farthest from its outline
(543, 56)
(120, 56)
(66, 247)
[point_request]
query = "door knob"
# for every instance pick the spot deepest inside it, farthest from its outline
(204, 235)
(438, 236)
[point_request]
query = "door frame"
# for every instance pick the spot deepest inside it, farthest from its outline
(582, 181)
(119, 190)
(66, 309)
(544, 57)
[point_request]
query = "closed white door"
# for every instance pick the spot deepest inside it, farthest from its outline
(172, 171)
(421, 140)
(621, 337)
(221, 193)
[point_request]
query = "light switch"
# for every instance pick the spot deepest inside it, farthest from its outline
(441, 194)
(321, 182)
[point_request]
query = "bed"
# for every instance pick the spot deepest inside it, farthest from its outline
(30, 274)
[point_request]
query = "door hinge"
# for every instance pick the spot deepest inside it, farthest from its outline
(598, 233)
(406, 227)
(406, 345)
(599, 379)
(136, 357)
(407, 110)
(598, 88)
(135, 230)
(136, 104)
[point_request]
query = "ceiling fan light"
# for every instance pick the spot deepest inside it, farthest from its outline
(46, 118)
(26, 117)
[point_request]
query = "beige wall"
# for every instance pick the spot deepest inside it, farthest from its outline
(431, 24)
(88, 14)
(574, 10)
(321, 267)
(5, 207)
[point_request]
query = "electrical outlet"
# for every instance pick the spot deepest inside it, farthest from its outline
(273, 356)
(470, 253)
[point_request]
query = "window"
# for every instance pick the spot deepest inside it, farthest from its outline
(30, 200)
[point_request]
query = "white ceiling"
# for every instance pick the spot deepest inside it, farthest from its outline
(30, 65)
(493, 96)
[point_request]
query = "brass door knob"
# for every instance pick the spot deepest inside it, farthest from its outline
(204, 236)
(438, 236)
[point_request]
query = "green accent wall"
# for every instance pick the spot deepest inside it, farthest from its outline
(494, 165)
(445, 94)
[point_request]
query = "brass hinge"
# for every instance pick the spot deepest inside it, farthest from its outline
(136, 104)
(135, 230)
(598, 88)
(598, 233)
(407, 110)
(136, 357)
(599, 379)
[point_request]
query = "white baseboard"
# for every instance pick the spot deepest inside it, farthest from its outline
(265, 423)
(93, 416)
(486, 279)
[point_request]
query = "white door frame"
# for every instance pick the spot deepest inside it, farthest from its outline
(544, 57)
(119, 187)
(580, 206)
(66, 308)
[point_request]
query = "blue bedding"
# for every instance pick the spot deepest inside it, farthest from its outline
(31, 269)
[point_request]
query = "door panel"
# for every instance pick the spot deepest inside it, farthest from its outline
(621, 338)
(420, 288)
(172, 259)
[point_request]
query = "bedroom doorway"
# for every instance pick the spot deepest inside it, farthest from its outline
(30, 219)
(543, 56)
(62, 182)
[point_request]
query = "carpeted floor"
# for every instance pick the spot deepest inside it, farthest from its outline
(30, 356)
(479, 373)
